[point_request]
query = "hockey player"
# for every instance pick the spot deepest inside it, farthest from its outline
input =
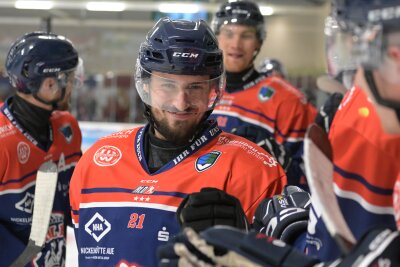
(363, 182)
(126, 188)
(367, 204)
(41, 68)
(262, 109)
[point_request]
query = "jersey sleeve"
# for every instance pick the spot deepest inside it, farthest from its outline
(253, 180)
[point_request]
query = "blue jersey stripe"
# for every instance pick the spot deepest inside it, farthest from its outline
(362, 180)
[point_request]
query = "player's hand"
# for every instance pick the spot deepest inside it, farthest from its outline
(283, 216)
(210, 207)
(227, 246)
(380, 247)
(328, 110)
(267, 142)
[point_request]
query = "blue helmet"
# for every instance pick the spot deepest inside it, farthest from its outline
(36, 56)
(363, 12)
(242, 13)
(270, 65)
(370, 23)
(181, 47)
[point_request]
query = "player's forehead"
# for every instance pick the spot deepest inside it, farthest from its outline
(238, 28)
(162, 76)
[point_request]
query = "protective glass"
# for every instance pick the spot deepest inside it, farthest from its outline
(79, 75)
(192, 92)
(64, 78)
(338, 48)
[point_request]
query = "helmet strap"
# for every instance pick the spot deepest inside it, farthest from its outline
(369, 77)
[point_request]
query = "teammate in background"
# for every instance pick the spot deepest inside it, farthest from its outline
(363, 181)
(126, 188)
(41, 68)
(365, 196)
(262, 109)
(272, 66)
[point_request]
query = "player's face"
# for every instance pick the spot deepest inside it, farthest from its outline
(51, 88)
(239, 44)
(178, 103)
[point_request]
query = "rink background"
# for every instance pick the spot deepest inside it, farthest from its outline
(91, 131)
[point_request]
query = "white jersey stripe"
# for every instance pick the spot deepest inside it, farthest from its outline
(127, 204)
(364, 203)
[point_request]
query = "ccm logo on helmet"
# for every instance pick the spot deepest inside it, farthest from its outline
(189, 55)
(51, 70)
(384, 14)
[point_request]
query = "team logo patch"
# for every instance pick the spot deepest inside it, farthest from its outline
(97, 227)
(23, 152)
(265, 93)
(66, 131)
(107, 156)
(207, 161)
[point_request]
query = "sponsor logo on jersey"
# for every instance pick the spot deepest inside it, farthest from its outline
(66, 131)
(163, 235)
(23, 152)
(149, 181)
(222, 121)
(97, 227)
(107, 156)
(265, 93)
(144, 190)
(6, 130)
(207, 161)
(26, 204)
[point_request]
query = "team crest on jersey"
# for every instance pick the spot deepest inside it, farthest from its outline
(207, 161)
(97, 227)
(67, 132)
(107, 156)
(23, 152)
(25, 204)
(265, 93)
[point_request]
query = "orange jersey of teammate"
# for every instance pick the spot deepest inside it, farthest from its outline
(119, 206)
(272, 105)
(20, 157)
(396, 201)
(366, 165)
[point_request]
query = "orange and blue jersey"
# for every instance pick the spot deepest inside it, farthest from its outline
(366, 166)
(273, 106)
(20, 157)
(122, 212)
(396, 201)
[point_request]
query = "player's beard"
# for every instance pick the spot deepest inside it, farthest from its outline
(177, 132)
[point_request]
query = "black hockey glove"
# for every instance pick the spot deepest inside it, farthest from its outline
(328, 110)
(268, 143)
(210, 207)
(283, 216)
(227, 246)
(380, 247)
